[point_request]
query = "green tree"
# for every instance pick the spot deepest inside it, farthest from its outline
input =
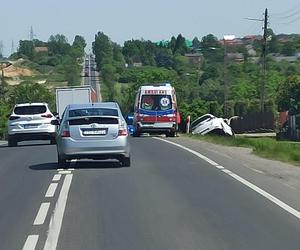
(31, 92)
(196, 43)
(288, 94)
(180, 45)
(26, 48)
(58, 45)
(103, 49)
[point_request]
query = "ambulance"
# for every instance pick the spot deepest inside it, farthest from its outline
(155, 110)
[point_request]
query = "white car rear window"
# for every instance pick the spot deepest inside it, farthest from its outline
(30, 110)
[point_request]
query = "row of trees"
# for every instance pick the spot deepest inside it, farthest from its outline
(59, 58)
(199, 89)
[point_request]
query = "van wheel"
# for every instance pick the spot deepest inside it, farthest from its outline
(12, 142)
(62, 162)
(136, 134)
(125, 162)
(52, 140)
(170, 134)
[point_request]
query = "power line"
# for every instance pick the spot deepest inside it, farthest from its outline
(287, 11)
(289, 16)
(293, 21)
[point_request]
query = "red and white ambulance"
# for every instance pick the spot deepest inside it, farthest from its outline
(155, 110)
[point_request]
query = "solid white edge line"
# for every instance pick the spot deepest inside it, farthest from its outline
(31, 242)
(58, 214)
(56, 177)
(260, 191)
(51, 190)
(42, 213)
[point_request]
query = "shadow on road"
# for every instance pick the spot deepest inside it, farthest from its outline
(25, 144)
(78, 165)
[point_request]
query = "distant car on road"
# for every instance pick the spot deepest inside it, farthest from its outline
(30, 121)
(93, 131)
(130, 127)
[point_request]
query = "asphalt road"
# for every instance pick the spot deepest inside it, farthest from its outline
(168, 199)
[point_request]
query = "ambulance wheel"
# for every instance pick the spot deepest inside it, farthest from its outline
(170, 134)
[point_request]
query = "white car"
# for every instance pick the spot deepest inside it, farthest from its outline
(208, 123)
(30, 121)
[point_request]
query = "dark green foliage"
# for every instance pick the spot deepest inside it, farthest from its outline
(288, 94)
(26, 48)
(241, 108)
(103, 49)
(58, 45)
(31, 92)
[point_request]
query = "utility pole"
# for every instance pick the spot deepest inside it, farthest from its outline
(12, 47)
(225, 78)
(31, 35)
(264, 55)
(1, 48)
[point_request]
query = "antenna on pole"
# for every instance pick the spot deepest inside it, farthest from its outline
(31, 35)
(12, 47)
(1, 48)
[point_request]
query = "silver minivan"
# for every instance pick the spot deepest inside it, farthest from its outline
(92, 131)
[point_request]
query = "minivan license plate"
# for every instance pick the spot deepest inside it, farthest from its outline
(95, 132)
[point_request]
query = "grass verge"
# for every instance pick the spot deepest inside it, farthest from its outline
(265, 147)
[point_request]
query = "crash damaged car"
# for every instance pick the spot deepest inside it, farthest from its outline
(209, 124)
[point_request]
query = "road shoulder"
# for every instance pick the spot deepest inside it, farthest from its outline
(280, 179)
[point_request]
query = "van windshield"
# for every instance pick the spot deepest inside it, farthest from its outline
(156, 102)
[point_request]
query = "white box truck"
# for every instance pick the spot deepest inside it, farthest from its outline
(73, 95)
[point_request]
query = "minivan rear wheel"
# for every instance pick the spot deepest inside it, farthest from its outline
(52, 140)
(62, 162)
(12, 142)
(125, 162)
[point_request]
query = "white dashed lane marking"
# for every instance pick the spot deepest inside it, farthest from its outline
(42, 213)
(31, 242)
(58, 214)
(56, 177)
(260, 191)
(51, 190)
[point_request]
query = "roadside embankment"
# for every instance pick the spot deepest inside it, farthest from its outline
(284, 151)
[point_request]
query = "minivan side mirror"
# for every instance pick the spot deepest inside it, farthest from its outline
(55, 122)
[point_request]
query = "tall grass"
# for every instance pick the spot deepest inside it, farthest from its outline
(264, 147)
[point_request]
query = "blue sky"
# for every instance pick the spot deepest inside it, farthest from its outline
(154, 20)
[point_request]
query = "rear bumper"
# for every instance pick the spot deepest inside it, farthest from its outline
(71, 149)
(42, 129)
(156, 127)
(32, 136)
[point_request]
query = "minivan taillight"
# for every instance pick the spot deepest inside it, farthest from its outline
(122, 132)
(13, 117)
(65, 133)
(47, 116)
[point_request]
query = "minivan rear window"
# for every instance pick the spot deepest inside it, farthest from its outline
(30, 110)
(93, 112)
(91, 120)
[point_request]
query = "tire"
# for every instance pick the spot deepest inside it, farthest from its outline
(62, 162)
(136, 134)
(125, 162)
(12, 142)
(52, 140)
(170, 134)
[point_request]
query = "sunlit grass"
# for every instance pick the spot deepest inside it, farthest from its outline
(264, 147)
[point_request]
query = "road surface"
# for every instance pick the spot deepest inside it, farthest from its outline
(170, 198)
